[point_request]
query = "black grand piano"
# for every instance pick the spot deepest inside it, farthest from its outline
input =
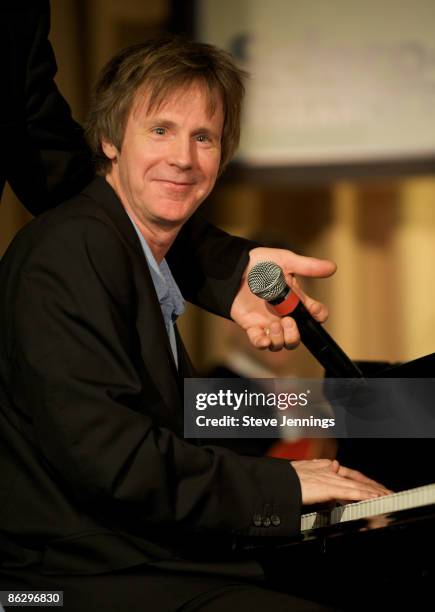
(373, 555)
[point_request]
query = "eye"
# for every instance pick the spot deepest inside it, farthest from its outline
(202, 138)
(160, 131)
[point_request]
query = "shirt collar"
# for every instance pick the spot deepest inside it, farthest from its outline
(167, 290)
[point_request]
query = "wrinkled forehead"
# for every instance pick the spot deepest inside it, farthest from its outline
(151, 98)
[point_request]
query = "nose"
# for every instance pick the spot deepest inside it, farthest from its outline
(182, 153)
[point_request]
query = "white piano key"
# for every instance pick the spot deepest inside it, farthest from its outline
(404, 500)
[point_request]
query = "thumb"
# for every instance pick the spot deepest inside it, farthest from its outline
(308, 266)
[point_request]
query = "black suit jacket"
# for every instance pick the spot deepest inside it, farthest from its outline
(95, 473)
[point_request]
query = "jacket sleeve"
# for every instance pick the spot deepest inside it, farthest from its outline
(208, 264)
(97, 415)
(46, 159)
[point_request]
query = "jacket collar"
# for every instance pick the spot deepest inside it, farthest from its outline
(104, 194)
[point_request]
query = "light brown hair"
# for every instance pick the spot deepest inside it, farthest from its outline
(160, 67)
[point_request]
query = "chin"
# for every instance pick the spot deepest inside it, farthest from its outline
(171, 221)
(175, 214)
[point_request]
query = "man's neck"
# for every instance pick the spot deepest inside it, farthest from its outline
(158, 237)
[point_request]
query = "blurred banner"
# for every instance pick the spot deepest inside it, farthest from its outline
(331, 82)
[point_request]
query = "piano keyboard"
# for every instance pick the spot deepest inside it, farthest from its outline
(412, 498)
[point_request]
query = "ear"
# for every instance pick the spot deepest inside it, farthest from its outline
(109, 149)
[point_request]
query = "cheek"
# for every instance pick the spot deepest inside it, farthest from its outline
(210, 167)
(143, 159)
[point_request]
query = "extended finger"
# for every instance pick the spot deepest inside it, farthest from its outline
(309, 266)
(291, 333)
(362, 487)
(359, 477)
(276, 336)
(259, 337)
(342, 492)
(316, 309)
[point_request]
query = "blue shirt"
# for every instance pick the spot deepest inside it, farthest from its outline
(169, 295)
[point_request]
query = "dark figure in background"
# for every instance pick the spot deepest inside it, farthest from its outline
(101, 496)
(44, 155)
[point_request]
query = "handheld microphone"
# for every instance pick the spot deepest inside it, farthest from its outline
(266, 280)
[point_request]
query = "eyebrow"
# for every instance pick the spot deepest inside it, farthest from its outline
(161, 121)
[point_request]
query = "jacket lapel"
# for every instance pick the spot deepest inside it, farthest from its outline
(185, 366)
(155, 347)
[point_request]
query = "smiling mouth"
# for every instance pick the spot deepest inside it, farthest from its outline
(175, 183)
(175, 188)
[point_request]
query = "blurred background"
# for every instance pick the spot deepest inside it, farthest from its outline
(347, 170)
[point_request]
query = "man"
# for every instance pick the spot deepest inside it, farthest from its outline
(101, 496)
(45, 159)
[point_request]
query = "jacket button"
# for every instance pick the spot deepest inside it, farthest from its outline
(266, 521)
(257, 520)
(275, 520)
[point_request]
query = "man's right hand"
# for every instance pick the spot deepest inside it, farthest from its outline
(323, 480)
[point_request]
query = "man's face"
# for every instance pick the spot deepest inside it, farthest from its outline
(169, 159)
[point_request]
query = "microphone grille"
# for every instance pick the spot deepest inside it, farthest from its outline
(266, 280)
